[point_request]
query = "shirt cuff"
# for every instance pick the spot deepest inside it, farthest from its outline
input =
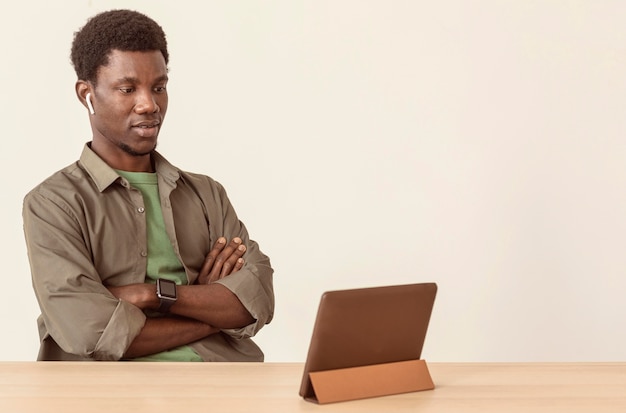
(125, 324)
(254, 297)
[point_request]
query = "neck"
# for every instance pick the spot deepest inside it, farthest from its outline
(122, 160)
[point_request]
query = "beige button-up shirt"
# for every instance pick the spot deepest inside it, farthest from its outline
(85, 229)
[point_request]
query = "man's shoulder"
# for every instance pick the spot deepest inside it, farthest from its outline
(197, 177)
(167, 169)
(203, 186)
(63, 181)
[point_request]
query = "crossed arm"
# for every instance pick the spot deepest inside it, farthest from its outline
(201, 309)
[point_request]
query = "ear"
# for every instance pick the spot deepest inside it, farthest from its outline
(82, 88)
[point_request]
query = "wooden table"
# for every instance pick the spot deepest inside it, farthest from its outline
(41, 387)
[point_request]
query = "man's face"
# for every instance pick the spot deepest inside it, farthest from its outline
(130, 101)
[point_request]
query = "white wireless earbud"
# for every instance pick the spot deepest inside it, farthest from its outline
(89, 104)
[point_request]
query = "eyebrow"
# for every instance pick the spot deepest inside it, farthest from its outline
(134, 80)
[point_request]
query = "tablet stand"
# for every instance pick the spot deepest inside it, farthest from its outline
(374, 380)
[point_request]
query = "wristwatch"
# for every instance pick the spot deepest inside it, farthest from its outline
(166, 291)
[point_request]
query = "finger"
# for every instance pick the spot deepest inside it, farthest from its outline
(225, 260)
(221, 258)
(209, 260)
(238, 264)
(229, 265)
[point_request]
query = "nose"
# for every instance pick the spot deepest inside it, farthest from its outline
(147, 103)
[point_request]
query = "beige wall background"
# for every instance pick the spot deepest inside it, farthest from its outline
(477, 144)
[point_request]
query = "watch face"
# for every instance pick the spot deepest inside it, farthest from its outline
(167, 288)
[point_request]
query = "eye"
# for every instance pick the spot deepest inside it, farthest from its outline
(160, 89)
(126, 90)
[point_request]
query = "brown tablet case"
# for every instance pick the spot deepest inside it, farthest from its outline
(368, 342)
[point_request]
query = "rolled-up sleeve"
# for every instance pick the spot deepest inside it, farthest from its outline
(253, 284)
(253, 287)
(78, 311)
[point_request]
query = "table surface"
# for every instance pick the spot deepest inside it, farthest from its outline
(85, 387)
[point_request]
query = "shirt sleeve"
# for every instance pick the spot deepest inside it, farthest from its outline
(253, 284)
(78, 311)
(253, 287)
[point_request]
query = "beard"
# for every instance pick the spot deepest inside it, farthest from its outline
(134, 152)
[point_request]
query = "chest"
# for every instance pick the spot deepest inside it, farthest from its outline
(115, 231)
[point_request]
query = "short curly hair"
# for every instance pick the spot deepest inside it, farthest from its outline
(124, 30)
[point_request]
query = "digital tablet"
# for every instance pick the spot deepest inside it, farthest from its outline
(366, 326)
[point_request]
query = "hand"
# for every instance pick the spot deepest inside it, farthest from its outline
(224, 259)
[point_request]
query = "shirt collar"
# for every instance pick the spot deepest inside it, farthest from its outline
(103, 175)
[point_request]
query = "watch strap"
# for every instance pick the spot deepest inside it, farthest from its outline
(165, 304)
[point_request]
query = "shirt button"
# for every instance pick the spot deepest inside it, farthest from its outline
(140, 210)
(144, 254)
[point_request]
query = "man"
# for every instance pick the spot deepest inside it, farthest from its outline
(132, 258)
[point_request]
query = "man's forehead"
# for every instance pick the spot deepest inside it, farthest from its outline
(131, 64)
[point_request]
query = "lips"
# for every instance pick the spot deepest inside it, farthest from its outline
(147, 124)
(147, 128)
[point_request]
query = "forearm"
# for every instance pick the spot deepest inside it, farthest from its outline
(213, 304)
(161, 334)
